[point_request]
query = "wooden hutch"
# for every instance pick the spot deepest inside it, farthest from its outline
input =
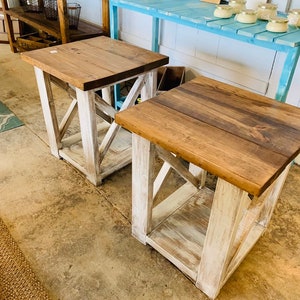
(58, 29)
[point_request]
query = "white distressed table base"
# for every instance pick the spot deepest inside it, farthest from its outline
(97, 151)
(205, 233)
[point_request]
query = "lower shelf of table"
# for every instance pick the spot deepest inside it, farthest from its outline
(180, 236)
(118, 155)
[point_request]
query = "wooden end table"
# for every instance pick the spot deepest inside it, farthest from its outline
(81, 68)
(248, 141)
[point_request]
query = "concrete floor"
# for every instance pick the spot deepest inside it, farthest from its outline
(77, 236)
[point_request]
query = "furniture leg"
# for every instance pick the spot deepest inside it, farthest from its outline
(143, 153)
(48, 107)
(87, 118)
(150, 83)
(9, 27)
(287, 74)
(114, 21)
(226, 213)
(270, 203)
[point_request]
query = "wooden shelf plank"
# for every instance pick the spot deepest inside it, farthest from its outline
(59, 29)
(181, 236)
(39, 21)
(118, 155)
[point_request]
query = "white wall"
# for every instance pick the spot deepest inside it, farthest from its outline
(91, 10)
(248, 66)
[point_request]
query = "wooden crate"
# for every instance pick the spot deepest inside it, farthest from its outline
(170, 77)
(34, 41)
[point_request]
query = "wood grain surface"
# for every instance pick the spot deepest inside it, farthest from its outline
(244, 138)
(94, 62)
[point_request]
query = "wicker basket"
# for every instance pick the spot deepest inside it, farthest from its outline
(32, 5)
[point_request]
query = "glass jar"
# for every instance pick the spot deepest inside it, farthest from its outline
(224, 11)
(247, 16)
(277, 24)
(294, 17)
(237, 5)
(266, 11)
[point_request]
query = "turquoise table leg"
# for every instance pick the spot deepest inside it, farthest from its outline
(114, 22)
(114, 34)
(287, 74)
(155, 34)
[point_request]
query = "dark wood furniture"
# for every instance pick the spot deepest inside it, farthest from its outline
(58, 29)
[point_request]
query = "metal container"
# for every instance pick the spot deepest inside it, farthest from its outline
(50, 9)
(74, 14)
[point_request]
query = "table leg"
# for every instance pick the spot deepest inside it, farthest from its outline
(114, 21)
(287, 74)
(48, 107)
(88, 128)
(150, 85)
(235, 225)
(143, 153)
(271, 201)
(226, 213)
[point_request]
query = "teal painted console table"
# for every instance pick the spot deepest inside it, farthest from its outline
(197, 14)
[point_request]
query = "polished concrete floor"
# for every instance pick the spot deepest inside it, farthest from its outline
(77, 236)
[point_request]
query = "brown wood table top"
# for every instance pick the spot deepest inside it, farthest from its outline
(244, 138)
(95, 62)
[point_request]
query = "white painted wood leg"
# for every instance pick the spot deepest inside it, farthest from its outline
(48, 107)
(114, 127)
(143, 153)
(87, 118)
(150, 86)
(106, 95)
(297, 160)
(271, 201)
(161, 177)
(199, 173)
(226, 213)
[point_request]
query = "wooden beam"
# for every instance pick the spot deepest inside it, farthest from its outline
(63, 20)
(105, 17)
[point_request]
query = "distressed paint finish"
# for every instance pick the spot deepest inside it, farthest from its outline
(100, 147)
(248, 141)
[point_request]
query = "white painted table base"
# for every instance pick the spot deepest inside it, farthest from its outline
(221, 227)
(84, 102)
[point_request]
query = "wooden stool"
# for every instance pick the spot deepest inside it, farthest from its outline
(82, 68)
(248, 141)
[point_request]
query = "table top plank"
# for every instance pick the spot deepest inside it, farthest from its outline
(246, 144)
(230, 112)
(94, 62)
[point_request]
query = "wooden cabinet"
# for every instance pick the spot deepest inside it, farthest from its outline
(58, 29)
